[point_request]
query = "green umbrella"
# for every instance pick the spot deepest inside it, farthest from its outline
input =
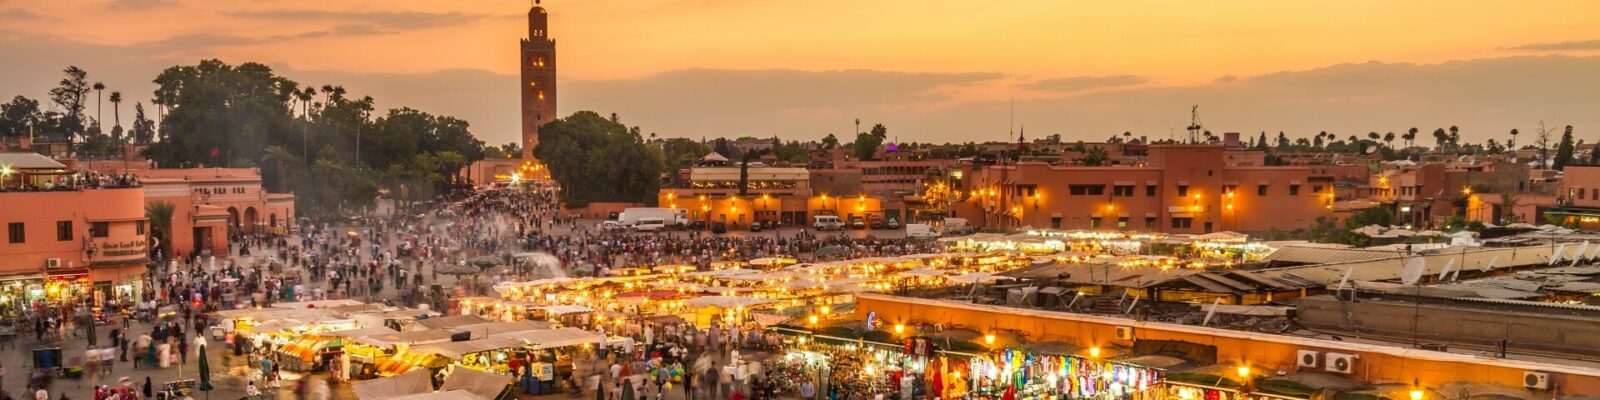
(205, 372)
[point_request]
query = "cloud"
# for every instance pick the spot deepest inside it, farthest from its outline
(138, 5)
(1082, 83)
(18, 14)
(1485, 97)
(388, 20)
(1559, 46)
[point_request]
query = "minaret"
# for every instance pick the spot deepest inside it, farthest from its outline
(538, 78)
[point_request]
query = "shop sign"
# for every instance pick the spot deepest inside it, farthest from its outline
(136, 247)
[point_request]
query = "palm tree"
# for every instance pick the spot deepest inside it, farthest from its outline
(116, 113)
(1389, 139)
(98, 88)
(1512, 145)
(305, 96)
(1094, 156)
(1411, 137)
(1455, 137)
(160, 216)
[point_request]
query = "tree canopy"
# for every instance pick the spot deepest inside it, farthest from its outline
(333, 153)
(599, 160)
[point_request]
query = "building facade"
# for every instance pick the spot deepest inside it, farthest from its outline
(67, 237)
(538, 78)
(209, 204)
(1178, 189)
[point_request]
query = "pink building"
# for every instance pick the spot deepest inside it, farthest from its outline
(67, 238)
(1179, 189)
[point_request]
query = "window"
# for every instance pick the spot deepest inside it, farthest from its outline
(1086, 190)
(1182, 223)
(1027, 190)
(15, 233)
(1150, 191)
(1183, 190)
(1316, 188)
(138, 227)
(1261, 190)
(1122, 191)
(1149, 222)
(1580, 194)
(1294, 190)
(1122, 222)
(1229, 189)
(100, 229)
(1055, 222)
(63, 230)
(1094, 222)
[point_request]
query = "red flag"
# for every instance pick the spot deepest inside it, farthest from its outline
(214, 152)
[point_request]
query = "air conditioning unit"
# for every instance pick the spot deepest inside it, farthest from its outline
(1536, 380)
(1124, 333)
(52, 263)
(1308, 359)
(1340, 363)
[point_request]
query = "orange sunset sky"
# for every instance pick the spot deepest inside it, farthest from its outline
(930, 70)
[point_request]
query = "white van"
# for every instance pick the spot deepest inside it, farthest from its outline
(649, 224)
(921, 231)
(827, 223)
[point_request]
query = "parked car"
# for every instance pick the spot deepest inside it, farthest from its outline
(857, 223)
(697, 225)
(719, 227)
(611, 226)
(651, 224)
(826, 223)
(755, 227)
(893, 223)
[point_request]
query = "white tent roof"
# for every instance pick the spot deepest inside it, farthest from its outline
(415, 382)
(726, 301)
(547, 338)
(448, 395)
(478, 383)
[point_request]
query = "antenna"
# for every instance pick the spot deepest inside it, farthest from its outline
(1011, 123)
(1194, 123)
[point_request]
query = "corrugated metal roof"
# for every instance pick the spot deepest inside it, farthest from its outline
(29, 161)
(1324, 255)
(1389, 269)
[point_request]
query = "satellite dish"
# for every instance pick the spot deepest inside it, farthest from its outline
(1412, 274)
(1369, 149)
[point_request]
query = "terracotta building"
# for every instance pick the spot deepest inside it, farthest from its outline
(67, 235)
(1579, 197)
(1178, 189)
(209, 204)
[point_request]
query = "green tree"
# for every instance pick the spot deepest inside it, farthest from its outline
(116, 114)
(18, 116)
(160, 215)
(143, 128)
(69, 95)
(866, 145)
(1094, 156)
(596, 159)
(1565, 149)
(830, 142)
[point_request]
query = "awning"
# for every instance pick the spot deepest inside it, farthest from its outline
(479, 383)
(414, 382)
(455, 350)
(549, 338)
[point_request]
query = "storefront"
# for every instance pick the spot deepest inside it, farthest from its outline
(1030, 375)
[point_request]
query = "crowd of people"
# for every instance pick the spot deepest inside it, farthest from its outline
(170, 314)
